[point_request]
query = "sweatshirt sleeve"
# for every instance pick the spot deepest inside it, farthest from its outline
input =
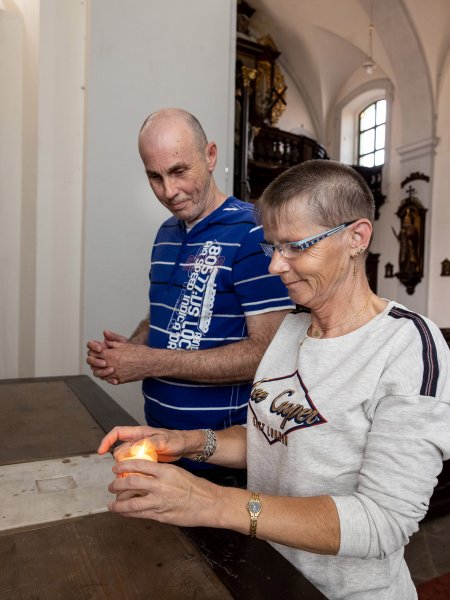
(408, 440)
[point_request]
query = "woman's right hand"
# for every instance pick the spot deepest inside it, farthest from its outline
(170, 444)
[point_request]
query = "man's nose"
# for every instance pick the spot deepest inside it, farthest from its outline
(170, 188)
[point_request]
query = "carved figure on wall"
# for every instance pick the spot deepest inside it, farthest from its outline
(445, 268)
(388, 270)
(411, 239)
(408, 239)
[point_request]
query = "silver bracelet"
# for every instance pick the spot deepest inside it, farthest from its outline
(209, 448)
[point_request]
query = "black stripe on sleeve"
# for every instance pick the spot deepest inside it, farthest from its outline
(429, 353)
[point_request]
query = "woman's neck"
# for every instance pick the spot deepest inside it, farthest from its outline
(345, 312)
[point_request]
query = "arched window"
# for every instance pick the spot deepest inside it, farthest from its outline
(372, 134)
(346, 122)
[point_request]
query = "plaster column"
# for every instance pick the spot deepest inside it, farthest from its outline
(52, 187)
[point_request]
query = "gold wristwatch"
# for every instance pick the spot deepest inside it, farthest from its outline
(254, 507)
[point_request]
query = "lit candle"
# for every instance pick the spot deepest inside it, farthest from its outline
(142, 450)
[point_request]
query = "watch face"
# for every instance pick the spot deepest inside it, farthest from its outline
(254, 506)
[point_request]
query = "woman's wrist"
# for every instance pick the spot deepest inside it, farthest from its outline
(200, 444)
(227, 509)
(209, 448)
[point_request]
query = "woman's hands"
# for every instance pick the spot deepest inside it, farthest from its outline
(150, 490)
(169, 494)
(164, 493)
(170, 444)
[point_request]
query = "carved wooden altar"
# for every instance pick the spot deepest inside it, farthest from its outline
(262, 150)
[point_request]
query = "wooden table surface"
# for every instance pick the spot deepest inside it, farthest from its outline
(105, 556)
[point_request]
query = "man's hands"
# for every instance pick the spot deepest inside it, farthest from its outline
(117, 359)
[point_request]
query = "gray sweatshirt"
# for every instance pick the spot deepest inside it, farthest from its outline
(365, 419)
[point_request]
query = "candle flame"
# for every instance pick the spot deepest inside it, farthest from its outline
(144, 451)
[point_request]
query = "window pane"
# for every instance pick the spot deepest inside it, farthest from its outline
(380, 133)
(379, 157)
(367, 118)
(381, 112)
(367, 141)
(366, 161)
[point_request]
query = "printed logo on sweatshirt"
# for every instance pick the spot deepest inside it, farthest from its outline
(193, 311)
(288, 407)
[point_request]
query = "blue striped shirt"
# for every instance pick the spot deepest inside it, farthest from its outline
(203, 283)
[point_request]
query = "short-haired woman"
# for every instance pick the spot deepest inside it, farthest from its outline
(349, 417)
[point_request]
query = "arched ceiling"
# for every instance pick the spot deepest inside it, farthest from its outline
(324, 44)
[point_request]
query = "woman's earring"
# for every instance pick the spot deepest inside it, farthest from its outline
(355, 256)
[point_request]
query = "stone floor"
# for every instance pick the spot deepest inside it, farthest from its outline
(428, 552)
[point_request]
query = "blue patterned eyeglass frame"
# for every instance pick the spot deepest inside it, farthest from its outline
(284, 249)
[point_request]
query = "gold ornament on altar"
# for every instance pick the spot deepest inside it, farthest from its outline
(270, 87)
(280, 88)
(247, 75)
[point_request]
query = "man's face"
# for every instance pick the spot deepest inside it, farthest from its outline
(179, 172)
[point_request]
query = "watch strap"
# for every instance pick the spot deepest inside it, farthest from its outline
(254, 507)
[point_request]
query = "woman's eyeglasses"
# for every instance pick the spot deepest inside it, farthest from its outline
(292, 249)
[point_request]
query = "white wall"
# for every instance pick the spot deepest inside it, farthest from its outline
(77, 78)
(439, 291)
(143, 55)
(60, 108)
(42, 127)
(11, 35)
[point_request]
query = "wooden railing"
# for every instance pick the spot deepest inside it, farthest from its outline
(277, 147)
(271, 151)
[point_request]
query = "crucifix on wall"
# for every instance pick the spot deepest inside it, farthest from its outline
(411, 239)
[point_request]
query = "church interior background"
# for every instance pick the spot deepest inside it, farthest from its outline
(366, 82)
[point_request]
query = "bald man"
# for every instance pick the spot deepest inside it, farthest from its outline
(214, 307)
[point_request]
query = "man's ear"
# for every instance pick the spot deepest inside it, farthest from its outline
(211, 156)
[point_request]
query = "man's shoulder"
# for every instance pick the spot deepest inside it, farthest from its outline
(170, 225)
(233, 204)
(170, 222)
(235, 211)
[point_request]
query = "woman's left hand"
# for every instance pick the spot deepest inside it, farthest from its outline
(164, 493)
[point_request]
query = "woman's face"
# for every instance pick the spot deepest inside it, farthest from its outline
(313, 275)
